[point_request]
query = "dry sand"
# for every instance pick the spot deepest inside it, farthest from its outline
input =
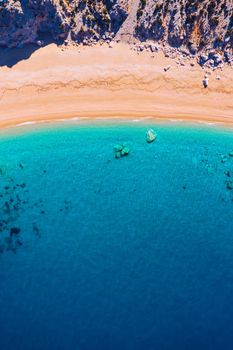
(110, 82)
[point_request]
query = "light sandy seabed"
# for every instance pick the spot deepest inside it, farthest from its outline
(110, 82)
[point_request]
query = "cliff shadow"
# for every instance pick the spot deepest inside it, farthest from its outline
(11, 56)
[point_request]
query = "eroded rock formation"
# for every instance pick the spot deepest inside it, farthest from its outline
(193, 25)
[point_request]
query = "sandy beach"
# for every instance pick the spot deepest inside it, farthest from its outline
(56, 82)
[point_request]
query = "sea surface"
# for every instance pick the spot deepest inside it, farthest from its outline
(98, 253)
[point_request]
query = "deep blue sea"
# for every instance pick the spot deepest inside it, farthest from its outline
(98, 253)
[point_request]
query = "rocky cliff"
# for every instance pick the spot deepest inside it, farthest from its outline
(23, 21)
(198, 27)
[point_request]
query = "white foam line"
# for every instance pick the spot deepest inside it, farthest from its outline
(27, 123)
(48, 121)
(210, 123)
(105, 118)
(137, 120)
(77, 118)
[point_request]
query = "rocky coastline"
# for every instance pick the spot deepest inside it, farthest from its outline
(187, 30)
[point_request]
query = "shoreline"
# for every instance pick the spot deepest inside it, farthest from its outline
(89, 117)
(100, 82)
(148, 122)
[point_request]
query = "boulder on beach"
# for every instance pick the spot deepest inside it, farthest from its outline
(205, 82)
(166, 68)
(150, 135)
(153, 48)
(203, 59)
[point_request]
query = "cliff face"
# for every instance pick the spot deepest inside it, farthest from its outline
(94, 19)
(192, 25)
(22, 21)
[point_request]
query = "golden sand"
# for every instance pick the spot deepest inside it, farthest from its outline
(110, 82)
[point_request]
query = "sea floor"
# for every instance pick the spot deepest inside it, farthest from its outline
(104, 253)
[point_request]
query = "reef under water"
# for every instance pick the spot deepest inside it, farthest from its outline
(106, 250)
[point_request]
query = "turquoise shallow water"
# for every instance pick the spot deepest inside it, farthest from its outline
(104, 253)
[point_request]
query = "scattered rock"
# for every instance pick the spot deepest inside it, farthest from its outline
(118, 148)
(14, 202)
(140, 48)
(223, 158)
(150, 135)
(229, 57)
(117, 155)
(121, 151)
(14, 231)
(125, 151)
(203, 59)
(153, 48)
(227, 173)
(217, 59)
(39, 43)
(229, 185)
(211, 63)
(167, 68)
(2, 248)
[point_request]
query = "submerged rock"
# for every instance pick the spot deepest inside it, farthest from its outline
(150, 135)
(223, 158)
(229, 185)
(118, 155)
(231, 154)
(14, 231)
(118, 148)
(227, 173)
(121, 151)
(2, 248)
(125, 151)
